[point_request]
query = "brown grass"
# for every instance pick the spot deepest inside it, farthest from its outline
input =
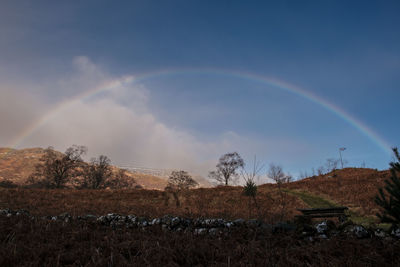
(355, 188)
(352, 187)
(225, 202)
(26, 242)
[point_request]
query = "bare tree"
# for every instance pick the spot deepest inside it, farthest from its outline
(331, 164)
(56, 169)
(121, 180)
(321, 170)
(250, 187)
(181, 180)
(177, 182)
(276, 173)
(97, 172)
(226, 168)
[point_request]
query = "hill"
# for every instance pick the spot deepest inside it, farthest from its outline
(16, 165)
(351, 187)
(355, 188)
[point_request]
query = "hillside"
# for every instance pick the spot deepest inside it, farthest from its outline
(352, 187)
(355, 188)
(17, 165)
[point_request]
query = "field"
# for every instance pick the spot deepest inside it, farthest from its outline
(47, 243)
(355, 188)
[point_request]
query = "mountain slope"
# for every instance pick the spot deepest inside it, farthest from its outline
(16, 165)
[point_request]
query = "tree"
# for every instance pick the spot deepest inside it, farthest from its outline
(181, 180)
(276, 173)
(226, 168)
(120, 180)
(250, 187)
(391, 206)
(332, 164)
(56, 169)
(97, 172)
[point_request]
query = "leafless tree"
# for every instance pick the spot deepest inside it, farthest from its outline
(56, 169)
(321, 170)
(331, 164)
(97, 172)
(181, 180)
(120, 180)
(178, 181)
(226, 168)
(250, 187)
(276, 173)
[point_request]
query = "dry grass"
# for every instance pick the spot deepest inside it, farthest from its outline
(225, 202)
(352, 187)
(355, 188)
(27, 242)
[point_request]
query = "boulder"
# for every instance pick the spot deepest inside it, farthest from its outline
(360, 232)
(379, 233)
(200, 231)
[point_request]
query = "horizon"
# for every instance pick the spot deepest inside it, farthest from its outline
(176, 85)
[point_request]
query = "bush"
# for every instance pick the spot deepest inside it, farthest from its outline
(7, 184)
(391, 206)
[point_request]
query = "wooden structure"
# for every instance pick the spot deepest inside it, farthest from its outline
(325, 213)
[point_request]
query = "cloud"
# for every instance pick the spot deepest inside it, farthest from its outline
(118, 123)
(18, 109)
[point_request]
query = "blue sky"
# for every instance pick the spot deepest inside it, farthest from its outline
(344, 52)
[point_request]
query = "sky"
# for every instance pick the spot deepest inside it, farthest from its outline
(176, 84)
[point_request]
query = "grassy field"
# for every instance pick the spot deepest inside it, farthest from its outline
(46, 243)
(26, 242)
(354, 188)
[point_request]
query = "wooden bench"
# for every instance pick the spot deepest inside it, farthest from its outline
(325, 213)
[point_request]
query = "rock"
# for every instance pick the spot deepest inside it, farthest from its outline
(253, 223)
(309, 239)
(395, 232)
(213, 231)
(228, 224)
(4, 212)
(132, 219)
(200, 231)
(102, 220)
(66, 217)
(266, 227)
(238, 222)
(90, 217)
(156, 221)
(164, 227)
(283, 227)
(322, 227)
(166, 220)
(360, 232)
(322, 236)
(379, 233)
(175, 221)
(186, 222)
(22, 212)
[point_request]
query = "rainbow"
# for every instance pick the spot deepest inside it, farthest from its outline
(132, 79)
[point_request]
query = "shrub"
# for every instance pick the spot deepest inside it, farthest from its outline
(391, 205)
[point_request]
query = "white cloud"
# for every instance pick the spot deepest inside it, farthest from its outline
(117, 123)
